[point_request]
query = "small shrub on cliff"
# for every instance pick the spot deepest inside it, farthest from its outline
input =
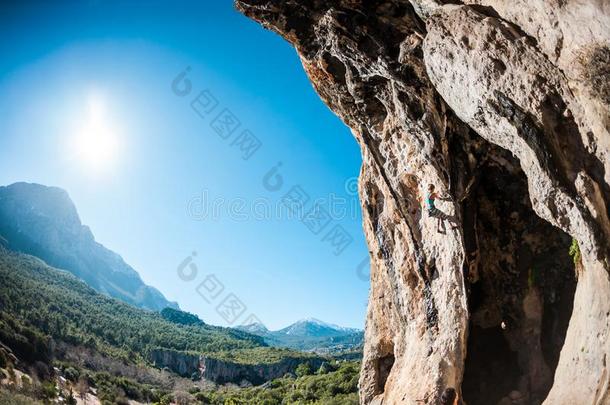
(575, 252)
(49, 390)
(26, 382)
(71, 374)
(165, 400)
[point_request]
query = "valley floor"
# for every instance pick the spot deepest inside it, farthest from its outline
(335, 383)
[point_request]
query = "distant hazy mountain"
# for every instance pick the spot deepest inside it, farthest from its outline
(310, 335)
(315, 328)
(43, 222)
(255, 328)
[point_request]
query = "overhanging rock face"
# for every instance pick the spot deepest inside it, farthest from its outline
(505, 108)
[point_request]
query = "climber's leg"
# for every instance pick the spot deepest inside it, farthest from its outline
(453, 222)
(434, 213)
(440, 225)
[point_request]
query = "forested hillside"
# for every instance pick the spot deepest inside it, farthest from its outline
(44, 222)
(51, 324)
(46, 303)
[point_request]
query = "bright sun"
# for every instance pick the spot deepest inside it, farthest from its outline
(96, 143)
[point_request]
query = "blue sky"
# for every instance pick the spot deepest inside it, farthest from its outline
(68, 67)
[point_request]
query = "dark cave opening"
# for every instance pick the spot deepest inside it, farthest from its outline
(384, 366)
(497, 370)
(520, 291)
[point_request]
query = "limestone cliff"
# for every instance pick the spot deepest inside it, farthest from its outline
(222, 371)
(505, 107)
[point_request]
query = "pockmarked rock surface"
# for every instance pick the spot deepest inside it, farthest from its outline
(505, 107)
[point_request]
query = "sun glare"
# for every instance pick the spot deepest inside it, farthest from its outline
(96, 143)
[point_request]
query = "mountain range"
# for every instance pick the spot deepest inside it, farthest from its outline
(67, 300)
(310, 335)
(43, 222)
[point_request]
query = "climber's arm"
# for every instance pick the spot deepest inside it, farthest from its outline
(445, 198)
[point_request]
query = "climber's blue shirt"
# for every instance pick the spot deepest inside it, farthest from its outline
(430, 202)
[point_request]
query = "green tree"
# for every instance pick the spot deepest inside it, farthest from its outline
(70, 400)
(71, 374)
(303, 369)
(325, 368)
(49, 390)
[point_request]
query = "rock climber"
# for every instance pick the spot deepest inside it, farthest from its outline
(435, 212)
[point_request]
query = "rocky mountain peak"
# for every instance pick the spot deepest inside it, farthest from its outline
(315, 326)
(256, 328)
(310, 334)
(51, 204)
(43, 221)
